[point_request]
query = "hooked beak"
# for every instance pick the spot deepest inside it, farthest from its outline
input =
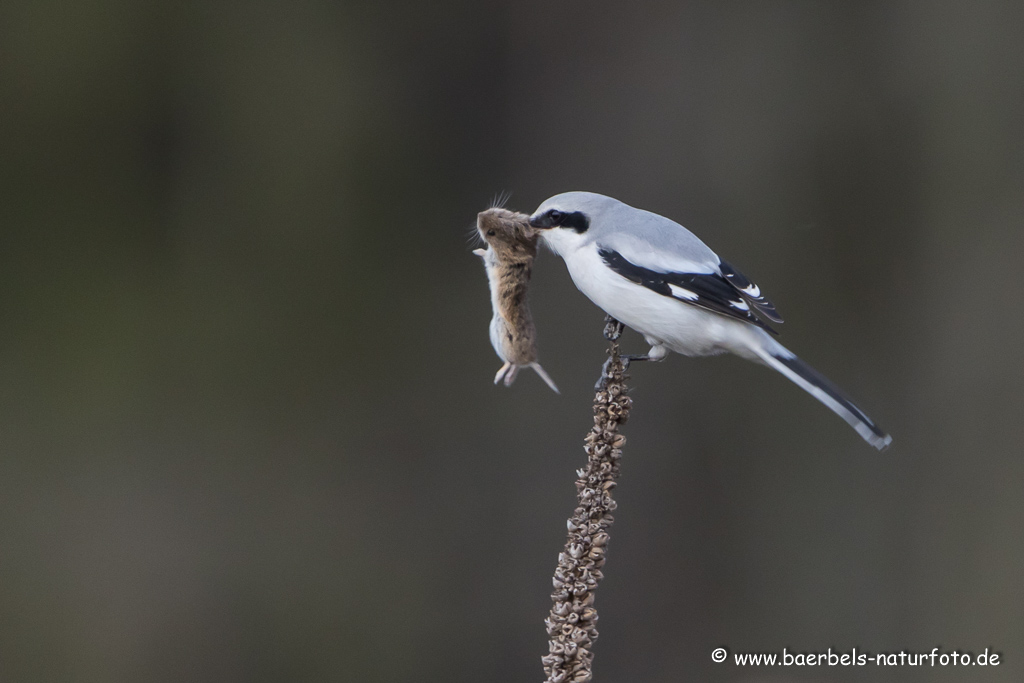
(541, 222)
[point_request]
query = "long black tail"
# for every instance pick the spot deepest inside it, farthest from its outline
(818, 386)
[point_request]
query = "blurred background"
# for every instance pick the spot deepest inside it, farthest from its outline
(247, 425)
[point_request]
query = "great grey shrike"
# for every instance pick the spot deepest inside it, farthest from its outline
(658, 278)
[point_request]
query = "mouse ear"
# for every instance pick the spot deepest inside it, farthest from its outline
(480, 252)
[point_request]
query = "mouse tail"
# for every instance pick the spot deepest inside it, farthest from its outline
(544, 376)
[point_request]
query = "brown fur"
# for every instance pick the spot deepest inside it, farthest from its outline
(511, 248)
(514, 244)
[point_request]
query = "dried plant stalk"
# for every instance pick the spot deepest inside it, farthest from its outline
(572, 622)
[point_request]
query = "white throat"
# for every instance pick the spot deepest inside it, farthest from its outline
(562, 241)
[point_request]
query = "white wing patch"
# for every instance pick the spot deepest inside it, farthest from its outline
(707, 290)
(682, 293)
(750, 292)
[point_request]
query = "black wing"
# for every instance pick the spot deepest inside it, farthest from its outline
(750, 292)
(707, 290)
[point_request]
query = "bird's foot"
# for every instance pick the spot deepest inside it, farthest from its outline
(612, 328)
(606, 371)
(634, 357)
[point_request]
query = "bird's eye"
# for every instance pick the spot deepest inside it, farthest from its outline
(555, 215)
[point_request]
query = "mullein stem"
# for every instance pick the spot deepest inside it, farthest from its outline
(571, 625)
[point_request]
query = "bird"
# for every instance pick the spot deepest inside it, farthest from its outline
(658, 278)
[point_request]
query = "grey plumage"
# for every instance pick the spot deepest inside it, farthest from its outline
(657, 277)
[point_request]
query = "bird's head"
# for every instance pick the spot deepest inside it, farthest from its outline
(565, 220)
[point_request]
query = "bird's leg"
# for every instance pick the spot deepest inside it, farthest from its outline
(612, 328)
(612, 331)
(657, 353)
(631, 357)
(606, 370)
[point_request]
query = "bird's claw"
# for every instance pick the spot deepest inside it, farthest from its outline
(606, 370)
(612, 328)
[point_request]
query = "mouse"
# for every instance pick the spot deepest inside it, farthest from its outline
(508, 259)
